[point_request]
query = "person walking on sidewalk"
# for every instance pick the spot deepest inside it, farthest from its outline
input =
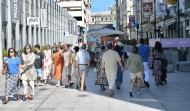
(144, 52)
(47, 64)
(39, 60)
(136, 69)
(58, 65)
(74, 73)
(54, 48)
(28, 75)
(66, 69)
(101, 79)
(157, 54)
(82, 65)
(110, 60)
(13, 75)
(119, 79)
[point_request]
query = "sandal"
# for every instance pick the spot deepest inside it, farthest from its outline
(30, 98)
(5, 102)
(25, 98)
(65, 86)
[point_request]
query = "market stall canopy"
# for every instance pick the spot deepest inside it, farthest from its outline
(106, 32)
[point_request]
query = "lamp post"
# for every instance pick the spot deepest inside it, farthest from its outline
(141, 18)
(155, 19)
(178, 24)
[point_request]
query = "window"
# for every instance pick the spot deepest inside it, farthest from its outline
(93, 19)
(102, 19)
(78, 18)
(187, 22)
(110, 19)
(106, 19)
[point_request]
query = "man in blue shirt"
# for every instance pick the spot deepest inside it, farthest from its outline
(144, 51)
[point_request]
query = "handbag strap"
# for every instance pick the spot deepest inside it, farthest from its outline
(7, 63)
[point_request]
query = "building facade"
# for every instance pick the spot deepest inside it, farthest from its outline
(105, 17)
(18, 33)
(80, 10)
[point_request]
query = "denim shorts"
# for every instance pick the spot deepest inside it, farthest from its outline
(39, 72)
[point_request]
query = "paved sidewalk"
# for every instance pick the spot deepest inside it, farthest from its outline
(173, 96)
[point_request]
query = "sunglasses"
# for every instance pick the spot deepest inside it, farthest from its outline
(11, 52)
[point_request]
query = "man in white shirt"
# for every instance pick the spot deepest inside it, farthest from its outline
(82, 64)
(110, 60)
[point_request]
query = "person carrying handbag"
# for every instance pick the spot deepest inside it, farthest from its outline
(13, 74)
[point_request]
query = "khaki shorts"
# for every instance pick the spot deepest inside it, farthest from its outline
(134, 75)
(66, 70)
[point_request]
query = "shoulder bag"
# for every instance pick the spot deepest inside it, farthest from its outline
(5, 67)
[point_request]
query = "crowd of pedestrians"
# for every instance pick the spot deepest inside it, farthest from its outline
(74, 64)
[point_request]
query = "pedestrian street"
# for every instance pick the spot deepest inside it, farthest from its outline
(173, 96)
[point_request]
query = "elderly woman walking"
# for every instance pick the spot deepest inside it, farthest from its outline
(28, 75)
(13, 75)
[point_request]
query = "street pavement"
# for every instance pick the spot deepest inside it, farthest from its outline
(173, 96)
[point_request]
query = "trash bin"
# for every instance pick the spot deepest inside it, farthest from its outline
(182, 55)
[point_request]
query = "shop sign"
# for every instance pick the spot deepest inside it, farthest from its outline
(33, 21)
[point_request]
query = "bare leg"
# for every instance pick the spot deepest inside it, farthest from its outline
(138, 87)
(18, 97)
(6, 98)
(82, 82)
(132, 84)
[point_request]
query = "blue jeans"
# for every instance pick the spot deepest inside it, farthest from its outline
(119, 75)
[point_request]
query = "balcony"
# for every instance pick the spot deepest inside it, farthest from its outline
(70, 3)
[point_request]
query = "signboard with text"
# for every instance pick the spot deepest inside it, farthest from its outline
(147, 10)
(70, 26)
(171, 42)
(33, 20)
(15, 10)
(161, 8)
(43, 15)
(168, 2)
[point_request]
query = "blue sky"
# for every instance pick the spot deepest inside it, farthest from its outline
(100, 5)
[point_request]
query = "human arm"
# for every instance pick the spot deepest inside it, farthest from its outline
(103, 67)
(128, 63)
(20, 69)
(141, 65)
(77, 66)
(120, 63)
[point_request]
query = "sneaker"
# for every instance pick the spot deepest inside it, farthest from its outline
(111, 93)
(160, 83)
(131, 94)
(138, 93)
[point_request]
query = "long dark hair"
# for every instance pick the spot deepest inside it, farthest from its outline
(158, 47)
(15, 54)
(29, 47)
(118, 49)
